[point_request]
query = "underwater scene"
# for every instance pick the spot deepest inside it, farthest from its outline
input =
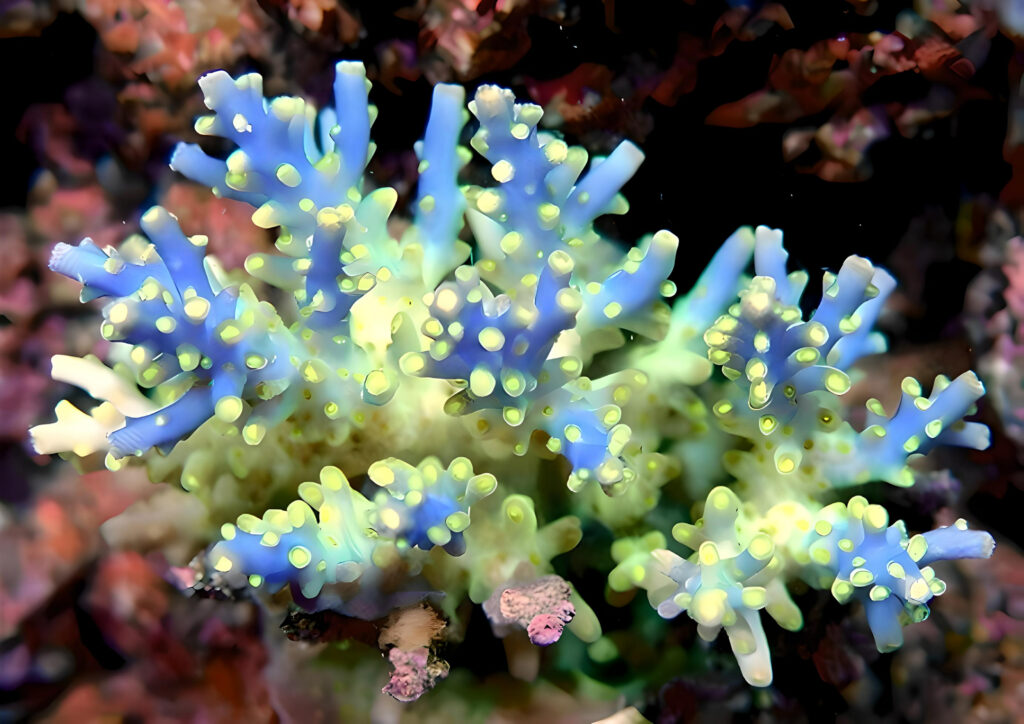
(556, 361)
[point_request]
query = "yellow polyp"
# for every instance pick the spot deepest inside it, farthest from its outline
(255, 580)
(503, 171)
(807, 355)
(548, 215)
(457, 521)
(254, 433)
(427, 204)
(513, 382)
(785, 463)
(842, 590)
(118, 313)
(755, 369)
(455, 405)
(913, 443)
(817, 335)
(512, 415)
(229, 333)
(332, 478)
(248, 523)
(377, 383)
(917, 547)
(314, 371)
(139, 355)
(919, 591)
(612, 310)
(862, 577)
(754, 597)
(714, 338)
(758, 394)
(299, 556)
(381, 473)
(390, 519)
(229, 408)
(857, 505)
(112, 463)
(878, 593)
(481, 381)
(556, 151)
(761, 547)
(488, 202)
(568, 300)
(708, 607)
(446, 300)
(572, 433)
(838, 383)
(511, 242)
(439, 535)
(241, 123)
(572, 366)
(206, 125)
(821, 556)
(148, 377)
(707, 554)
(722, 408)
(461, 469)
(413, 498)
(561, 263)
(288, 175)
(911, 386)
(196, 309)
(412, 363)
(491, 338)
(223, 564)
(876, 517)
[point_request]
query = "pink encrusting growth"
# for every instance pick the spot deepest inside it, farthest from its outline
(415, 673)
(542, 607)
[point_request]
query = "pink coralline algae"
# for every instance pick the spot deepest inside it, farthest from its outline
(542, 607)
(415, 673)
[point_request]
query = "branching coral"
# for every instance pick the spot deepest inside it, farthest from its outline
(384, 351)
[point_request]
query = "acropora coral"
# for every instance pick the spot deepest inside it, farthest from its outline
(390, 429)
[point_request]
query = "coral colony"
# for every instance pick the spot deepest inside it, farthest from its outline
(408, 397)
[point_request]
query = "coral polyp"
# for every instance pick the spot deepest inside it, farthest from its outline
(383, 414)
